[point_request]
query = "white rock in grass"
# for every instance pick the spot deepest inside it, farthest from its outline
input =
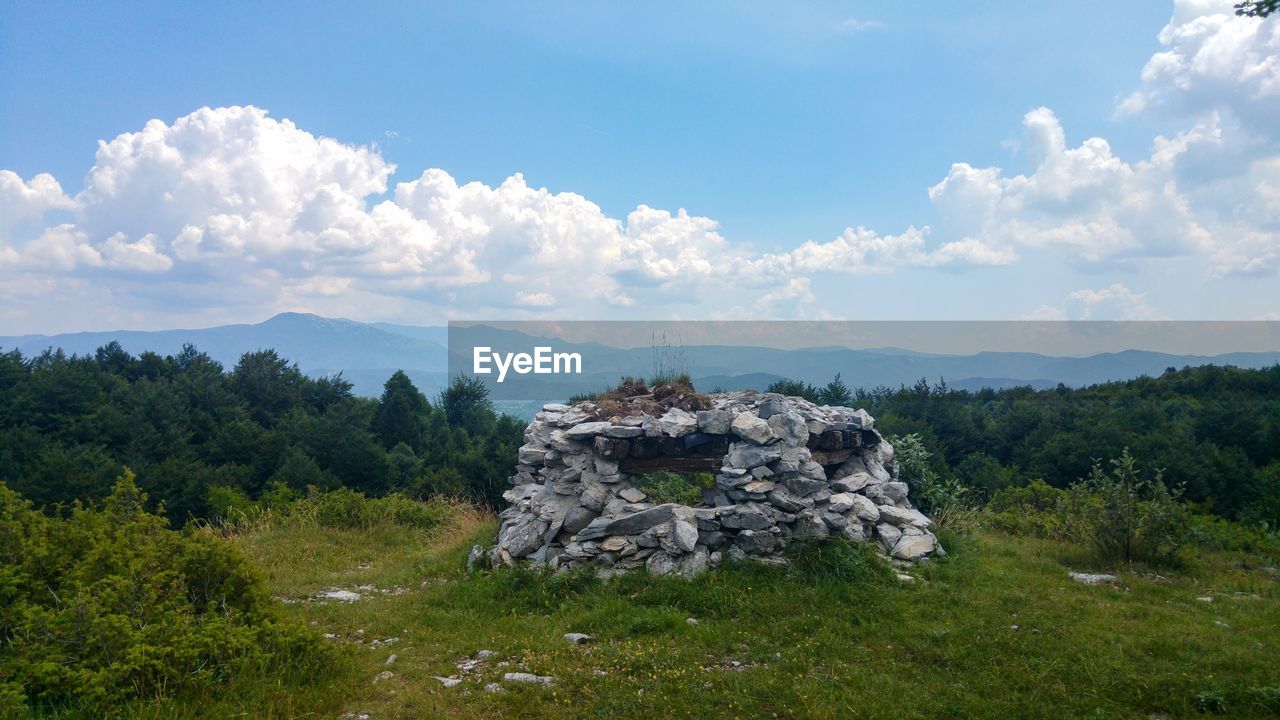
(912, 547)
(448, 681)
(1091, 578)
(578, 638)
(529, 678)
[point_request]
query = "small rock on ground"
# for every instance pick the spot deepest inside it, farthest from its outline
(578, 638)
(447, 681)
(1091, 578)
(524, 677)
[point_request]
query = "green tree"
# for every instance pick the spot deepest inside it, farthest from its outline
(1257, 8)
(268, 384)
(794, 388)
(466, 403)
(402, 413)
(836, 393)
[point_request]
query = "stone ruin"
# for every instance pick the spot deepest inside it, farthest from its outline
(785, 470)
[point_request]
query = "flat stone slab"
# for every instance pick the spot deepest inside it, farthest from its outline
(1091, 578)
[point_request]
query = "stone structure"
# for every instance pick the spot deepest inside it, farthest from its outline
(785, 470)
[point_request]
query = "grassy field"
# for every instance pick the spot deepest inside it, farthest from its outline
(997, 630)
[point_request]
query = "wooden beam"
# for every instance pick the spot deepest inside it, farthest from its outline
(831, 457)
(670, 463)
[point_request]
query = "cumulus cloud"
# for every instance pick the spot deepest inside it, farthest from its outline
(1083, 199)
(228, 213)
(232, 206)
(859, 251)
(1114, 302)
(1213, 59)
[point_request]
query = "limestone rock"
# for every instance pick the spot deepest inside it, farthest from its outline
(789, 427)
(643, 520)
(528, 678)
(913, 547)
(586, 430)
(715, 422)
(677, 423)
(747, 456)
(749, 426)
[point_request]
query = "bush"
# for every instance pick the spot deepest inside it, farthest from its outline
(1214, 533)
(1124, 517)
(670, 487)
(1032, 511)
(939, 497)
(107, 604)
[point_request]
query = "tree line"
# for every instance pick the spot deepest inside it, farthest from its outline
(1213, 431)
(188, 428)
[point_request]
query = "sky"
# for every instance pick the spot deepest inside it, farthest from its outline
(164, 165)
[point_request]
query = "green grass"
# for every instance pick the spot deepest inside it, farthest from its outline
(997, 630)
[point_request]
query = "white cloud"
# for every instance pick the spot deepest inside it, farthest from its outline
(855, 25)
(1114, 302)
(228, 213)
(25, 203)
(1084, 200)
(1213, 59)
(861, 251)
(232, 208)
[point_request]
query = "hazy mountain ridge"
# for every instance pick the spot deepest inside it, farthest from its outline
(367, 353)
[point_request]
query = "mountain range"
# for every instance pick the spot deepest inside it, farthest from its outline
(367, 353)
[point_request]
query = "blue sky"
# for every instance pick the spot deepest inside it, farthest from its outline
(774, 125)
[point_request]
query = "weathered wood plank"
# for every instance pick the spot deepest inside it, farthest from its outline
(670, 463)
(831, 457)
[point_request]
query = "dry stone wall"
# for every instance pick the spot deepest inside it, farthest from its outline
(785, 470)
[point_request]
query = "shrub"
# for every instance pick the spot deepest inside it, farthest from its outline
(943, 499)
(1037, 495)
(1125, 517)
(1210, 702)
(1214, 533)
(1266, 697)
(670, 487)
(1032, 510)
(106, 604)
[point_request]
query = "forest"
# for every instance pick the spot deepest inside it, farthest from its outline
(199, 437)
(1213, 431)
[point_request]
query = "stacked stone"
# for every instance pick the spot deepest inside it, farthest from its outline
(572, 504)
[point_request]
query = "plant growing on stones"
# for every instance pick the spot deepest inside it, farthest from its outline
(1124, 516)
(672, 487)
(932, 492)
(670, 362)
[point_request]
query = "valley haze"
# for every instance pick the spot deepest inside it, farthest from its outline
(368, 353)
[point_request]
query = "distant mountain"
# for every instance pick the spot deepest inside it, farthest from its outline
(367, 353)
